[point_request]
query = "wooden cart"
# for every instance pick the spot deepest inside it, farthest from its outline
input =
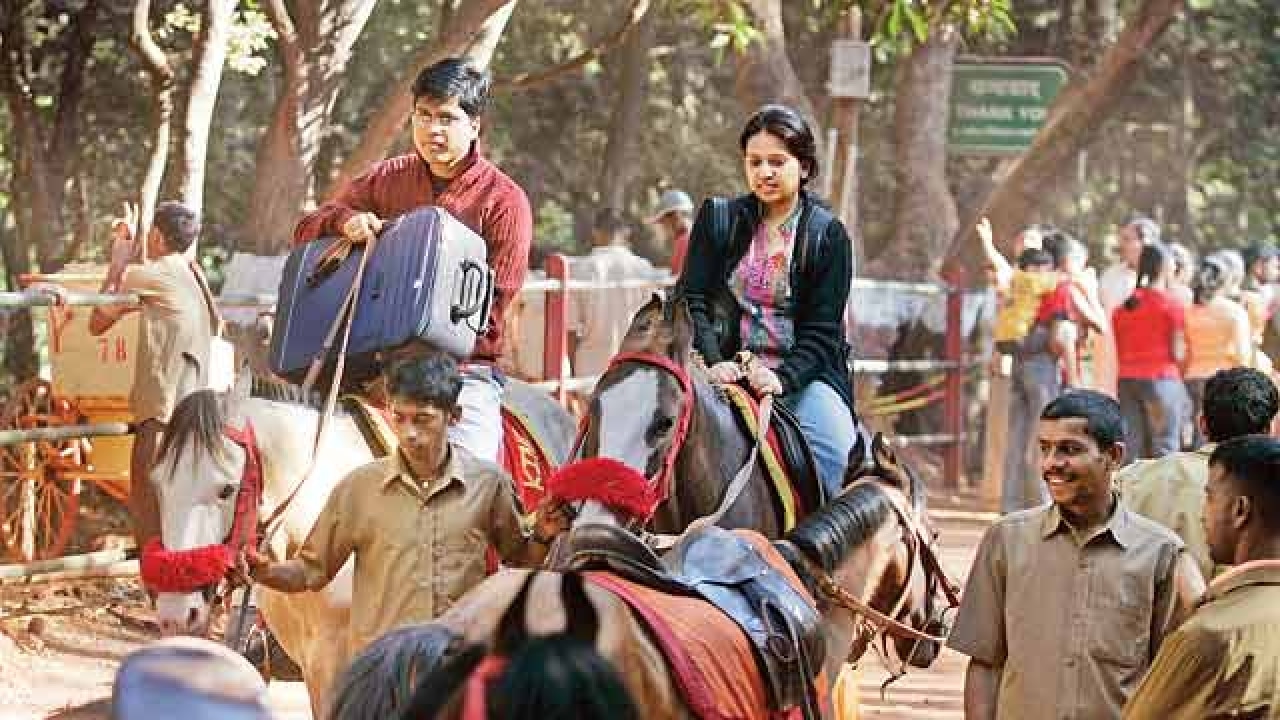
(42, 482)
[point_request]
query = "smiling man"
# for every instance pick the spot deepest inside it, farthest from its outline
(1067, 604)
(447, 170)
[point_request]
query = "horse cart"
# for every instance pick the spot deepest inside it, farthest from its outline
(64, 443)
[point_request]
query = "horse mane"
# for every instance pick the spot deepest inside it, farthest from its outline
(197, 419)
(380, 681)
(276, 390)
(835, 529)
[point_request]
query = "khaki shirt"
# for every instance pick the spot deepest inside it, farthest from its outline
(1224, 662)
(1069, 620)
(174, 337)
(1170, 490)
(419, 547)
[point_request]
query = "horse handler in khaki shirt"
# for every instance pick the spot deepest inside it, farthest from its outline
(418, 521)
(1224, 662)
(1067, 604)
(179, 320)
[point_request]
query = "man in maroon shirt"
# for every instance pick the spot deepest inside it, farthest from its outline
(447, 170)
(674, 215)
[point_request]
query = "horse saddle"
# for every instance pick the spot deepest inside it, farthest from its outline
(726, 570)
(796, 468)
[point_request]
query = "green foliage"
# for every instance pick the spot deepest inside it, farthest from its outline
(900, 25)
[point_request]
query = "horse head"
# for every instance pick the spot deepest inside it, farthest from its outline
(200, 481)
(641, 405)
(870, 552)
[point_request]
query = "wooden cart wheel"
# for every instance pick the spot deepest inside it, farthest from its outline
(39, 489)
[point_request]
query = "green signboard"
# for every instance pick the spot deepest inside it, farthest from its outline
(998, 107)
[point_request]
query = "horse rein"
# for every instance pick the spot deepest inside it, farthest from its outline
(889, 624)
(665, 476)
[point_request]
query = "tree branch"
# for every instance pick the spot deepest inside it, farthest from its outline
(529, 80)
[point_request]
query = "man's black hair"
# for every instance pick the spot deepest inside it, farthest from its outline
(1101, 412)
(1254, 462)
(455, 78)
(1034, 257)
(1238, 401)
(179, 225)
(429, 380)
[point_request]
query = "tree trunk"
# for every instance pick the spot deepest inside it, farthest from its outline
(210, 56)
(468, 27)
(313, 52)
(764, 72)
(43, 159)
(925, 216)
(619, 168)
(157, 65)
(1081, 108)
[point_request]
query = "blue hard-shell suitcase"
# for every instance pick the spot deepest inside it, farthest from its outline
(427, 283)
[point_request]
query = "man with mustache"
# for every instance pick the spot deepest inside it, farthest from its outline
(1067, 604)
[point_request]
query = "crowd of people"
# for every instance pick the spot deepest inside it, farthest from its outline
(1086, 600)
(1149, 331)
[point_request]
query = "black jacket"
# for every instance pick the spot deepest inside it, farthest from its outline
(821, 269)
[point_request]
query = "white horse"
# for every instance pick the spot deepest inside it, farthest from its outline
(198, 481)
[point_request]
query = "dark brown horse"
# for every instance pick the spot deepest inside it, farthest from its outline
(656, 410)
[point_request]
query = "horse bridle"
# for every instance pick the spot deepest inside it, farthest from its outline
(664, 477)
(208, 568)
(920, 549)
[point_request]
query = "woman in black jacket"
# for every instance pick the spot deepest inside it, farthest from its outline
(768, 272)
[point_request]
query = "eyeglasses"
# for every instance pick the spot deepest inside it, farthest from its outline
(425, 119)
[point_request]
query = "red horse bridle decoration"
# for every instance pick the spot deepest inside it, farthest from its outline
(186, 571)
(663, 479)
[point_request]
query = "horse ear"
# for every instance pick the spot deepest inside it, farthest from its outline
(886, 462)
(681, 329)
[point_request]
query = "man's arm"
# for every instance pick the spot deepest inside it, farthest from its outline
(995, 260)
(326, 549)
(509, 236)
(516, 545)
(339, 215)
(124, 250)
(1177, 686)
(1176, 598)
(981, 691)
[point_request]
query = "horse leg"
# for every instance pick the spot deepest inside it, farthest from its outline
(314, 633)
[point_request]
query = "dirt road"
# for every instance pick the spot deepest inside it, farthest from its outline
(60, 646)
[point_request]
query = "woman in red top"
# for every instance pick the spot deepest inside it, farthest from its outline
(1151, 349)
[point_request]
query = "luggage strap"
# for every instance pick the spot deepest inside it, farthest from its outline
(343, 321)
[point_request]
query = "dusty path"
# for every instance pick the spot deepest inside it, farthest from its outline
(60, 646)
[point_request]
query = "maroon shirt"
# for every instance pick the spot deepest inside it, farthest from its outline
(482, 197)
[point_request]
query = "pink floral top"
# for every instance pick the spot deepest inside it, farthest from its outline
(761, 284)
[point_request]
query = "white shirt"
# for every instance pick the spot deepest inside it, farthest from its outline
(1116, 285)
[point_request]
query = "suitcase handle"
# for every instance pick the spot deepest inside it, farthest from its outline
(477, 291)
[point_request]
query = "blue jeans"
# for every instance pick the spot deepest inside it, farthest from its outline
(827, 423)
(1153, 412)
(1035, 382)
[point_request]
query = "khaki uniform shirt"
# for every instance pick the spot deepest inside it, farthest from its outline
(1224, 662)
(174, 337)
(1071, 620)
(1170, 490)
(418, 546)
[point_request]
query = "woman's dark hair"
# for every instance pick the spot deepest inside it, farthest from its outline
(1155, 258)
(432, 380)
(1210, 278)
(179, 225)
(454, 78)
(790, 127)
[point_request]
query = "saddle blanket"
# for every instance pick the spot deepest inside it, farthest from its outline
(784, 488)
(709, 656)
